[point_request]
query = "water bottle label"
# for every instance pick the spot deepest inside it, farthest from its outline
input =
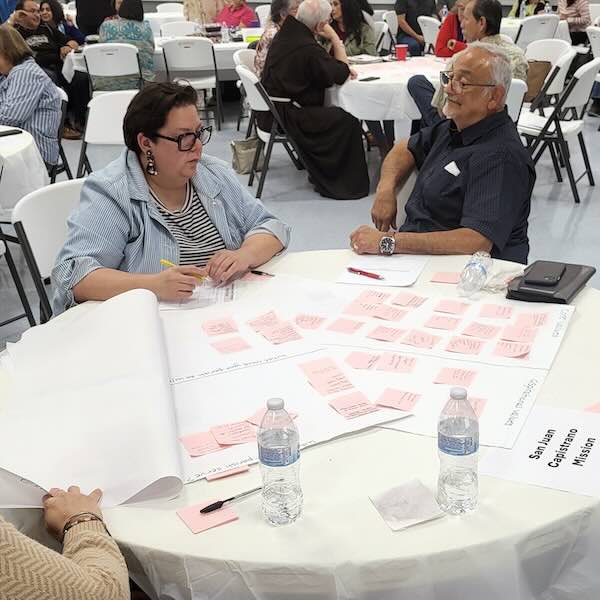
(457, 446)
(277, 457)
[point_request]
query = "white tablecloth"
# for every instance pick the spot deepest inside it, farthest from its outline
(522, 543)
(22, 170)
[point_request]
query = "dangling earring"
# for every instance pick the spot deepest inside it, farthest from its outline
(151, 164)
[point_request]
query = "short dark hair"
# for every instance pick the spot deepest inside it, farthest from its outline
(491, 10)
(58, 15)
(132, 9)
(149, 109)
(20, 5)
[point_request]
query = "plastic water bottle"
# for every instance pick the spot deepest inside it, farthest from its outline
(458, 445)
(444, 11)
(224, 33)
(522, 9)
(279, 457)
(547, 8)
(475, 274)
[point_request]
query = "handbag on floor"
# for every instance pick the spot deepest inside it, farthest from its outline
(243, 155)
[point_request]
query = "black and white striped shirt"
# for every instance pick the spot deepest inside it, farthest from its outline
(196, 235)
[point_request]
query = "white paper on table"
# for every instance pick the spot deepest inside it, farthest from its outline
(558, 448)
(399, 270)
(204, 295)
(90, 404)
(407, 504)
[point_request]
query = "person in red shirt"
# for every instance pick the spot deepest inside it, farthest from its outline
(450, 39)
(237, 13)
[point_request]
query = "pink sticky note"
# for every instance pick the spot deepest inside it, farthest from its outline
(480, 330)
(309, 321)
(532, 319)
(255, 277)
(454, 307)
(396, 363)
(408, 299)
(281, 333)
(199, 522)
(595, 408)
(219, 326)
(228, 473)
(445, 277)
(420, 339)
(398, 399)
(372, 296)
(449, 376)
(512, 349)
(352, 405)
(442, 322)
(478, 405)
(362, 360)
(388, 313)
(240, 432)
(464, 345)
(386, 334)
(230, 345)
(325, 376)
(496, 311)
(257, 417)
(519, 333)
(345, 326)
(361, 309)
(265, 321)
(201, 443)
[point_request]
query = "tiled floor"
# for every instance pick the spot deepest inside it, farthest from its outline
(559, 229)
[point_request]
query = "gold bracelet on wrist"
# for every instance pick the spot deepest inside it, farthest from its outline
(85, 517)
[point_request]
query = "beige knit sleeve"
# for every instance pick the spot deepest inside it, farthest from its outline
(91, 566)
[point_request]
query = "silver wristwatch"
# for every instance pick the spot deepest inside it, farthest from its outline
(387, 245)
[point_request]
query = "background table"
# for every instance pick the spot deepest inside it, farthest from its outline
(523, 542)
(510, 27)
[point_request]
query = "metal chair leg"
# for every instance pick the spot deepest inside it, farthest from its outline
(65, 162)
(250, 125)
(82, 159)
(572, 182)
(259, 148)
(555, 163)
(19, 285)
(263, 174)
(586, 159)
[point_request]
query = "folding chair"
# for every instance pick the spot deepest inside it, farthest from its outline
(593, 34)
(378, 15)
(391, 18)
(381, 35)
(170, 7)
(104, 124)
(244, 57)
(112, 60)
(14, 273)
(63, 165)
(40, 221)
(514, 98)
(263, 12)
(565, 121)
(195, 55)
(538, 27)
(179, 28)
(430, 27)
(260, 101)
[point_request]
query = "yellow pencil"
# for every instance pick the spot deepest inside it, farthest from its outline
(167, 263)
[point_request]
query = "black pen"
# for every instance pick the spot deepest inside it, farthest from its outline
(219, 504)
(257, 272)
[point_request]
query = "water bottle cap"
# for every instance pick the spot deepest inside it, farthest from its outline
(275, 403)
(458, 393)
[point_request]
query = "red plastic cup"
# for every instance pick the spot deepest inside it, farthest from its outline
(401, 50)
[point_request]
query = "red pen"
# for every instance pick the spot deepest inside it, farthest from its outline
(364, 273)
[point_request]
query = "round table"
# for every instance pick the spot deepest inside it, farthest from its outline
(19, 155)
(523, 542)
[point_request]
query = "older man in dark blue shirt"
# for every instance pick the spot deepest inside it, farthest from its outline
(475, 177)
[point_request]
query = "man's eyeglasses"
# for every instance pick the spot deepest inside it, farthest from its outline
(447, 78)
(187, 141)
(31, 11)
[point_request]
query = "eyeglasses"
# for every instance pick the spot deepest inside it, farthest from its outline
(447, 78)
(32, 11)
(187, 141)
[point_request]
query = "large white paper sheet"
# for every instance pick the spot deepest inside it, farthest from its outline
(399, 270)
(558, 448)
(204, 295)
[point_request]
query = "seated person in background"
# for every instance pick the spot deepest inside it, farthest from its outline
(409, 30)
(202, 11)
(91, 565)
(450, 40)
(128, 28)
(280, 9)
(162, 199)
(28, 98)
(91, 14)
(481, 22)
(475, 177)
(532, 7)
(51, 13)
(329, 139)
(577, 15)
(236, 13)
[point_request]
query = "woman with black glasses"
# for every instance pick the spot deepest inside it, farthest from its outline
(162, 199)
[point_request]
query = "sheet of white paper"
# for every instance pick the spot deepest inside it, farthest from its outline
(204, 295)
(558, 448)
(399, 270)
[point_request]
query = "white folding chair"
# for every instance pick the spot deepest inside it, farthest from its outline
(391, 18)
(196, 55)
(161, 19)
(594, 12)
(381, 36)
(378, 15)
(40, 221)
(104, 124)
(514, 98)
(170, 7)
(179, 28)
(538, 27)
(112, 60)
(263, 12)
(564, 122)
(430, 27)
(261, 102)
(62, 166)
(559, 54)
(244, 57)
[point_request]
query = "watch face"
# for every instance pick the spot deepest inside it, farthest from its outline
(387, 245)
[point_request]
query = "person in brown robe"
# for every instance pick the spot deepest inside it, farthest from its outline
(328, 138)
